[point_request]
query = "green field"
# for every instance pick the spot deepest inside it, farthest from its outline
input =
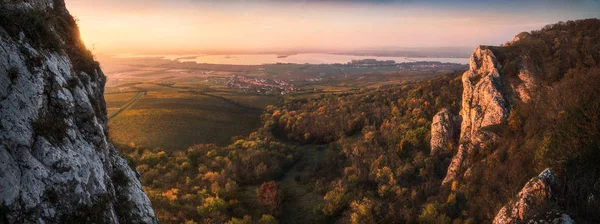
(177, 120)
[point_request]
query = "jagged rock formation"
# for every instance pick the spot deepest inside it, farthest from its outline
(443, 129)
(56, 164)
(483, 105)
(536, 192)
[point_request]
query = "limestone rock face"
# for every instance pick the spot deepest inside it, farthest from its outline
(56, 164)
(535, 193)
(443, 129)
(483, 104)
(526, 87)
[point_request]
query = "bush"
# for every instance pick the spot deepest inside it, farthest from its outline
(267, 219)
(52, 30)
(34, 24)
(431, 214)
(120, 178)
(85, 79)
(13, 73)
(52, 126)
(212, 207)
(73, 82)
(94, 213)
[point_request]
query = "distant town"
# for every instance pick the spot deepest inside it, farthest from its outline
(404, 66)
(280, 87)
(262, 86)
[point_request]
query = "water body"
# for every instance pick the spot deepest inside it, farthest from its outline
(308, 58)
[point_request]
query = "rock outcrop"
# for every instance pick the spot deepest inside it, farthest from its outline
(526, 85)
(536, 192)
(483, 105)
(443, 129)
(56, 164)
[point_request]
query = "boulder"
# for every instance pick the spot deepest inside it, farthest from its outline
(443, 129)
(536, 193)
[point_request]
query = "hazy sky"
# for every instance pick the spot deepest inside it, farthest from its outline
(145, 26)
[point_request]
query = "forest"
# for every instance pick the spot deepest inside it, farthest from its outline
(377, 165)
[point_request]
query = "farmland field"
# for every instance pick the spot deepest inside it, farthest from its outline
(177, 120)
(170, 105)
(116, 100)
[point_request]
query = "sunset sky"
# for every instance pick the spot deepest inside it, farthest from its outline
(175, 26)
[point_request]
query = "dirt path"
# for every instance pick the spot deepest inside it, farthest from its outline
(127, 105)
(299, 200)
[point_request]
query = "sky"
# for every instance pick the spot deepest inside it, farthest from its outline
(201, 26)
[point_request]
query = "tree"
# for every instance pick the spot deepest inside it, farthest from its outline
(213, 208)
(431, 214)
(363, 212)
(267, 219)
(270, 195)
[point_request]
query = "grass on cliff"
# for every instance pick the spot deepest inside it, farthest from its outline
(52, 29)
(34, 25)
(52, 126)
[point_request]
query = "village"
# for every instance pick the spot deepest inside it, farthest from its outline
(262, 86)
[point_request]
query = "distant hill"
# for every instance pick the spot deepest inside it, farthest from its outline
(432, 52)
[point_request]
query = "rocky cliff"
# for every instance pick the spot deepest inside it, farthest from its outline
(483, 105)
(56, 164)
(536, 193)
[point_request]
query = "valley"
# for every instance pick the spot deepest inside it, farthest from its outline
(370, 143)
(160, 103)
(226, 116)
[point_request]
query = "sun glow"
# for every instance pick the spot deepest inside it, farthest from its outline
(185, 26)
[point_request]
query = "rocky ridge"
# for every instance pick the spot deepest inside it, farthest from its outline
(483, 105)
(56, 164)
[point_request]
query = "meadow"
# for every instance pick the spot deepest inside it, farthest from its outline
(178, 120)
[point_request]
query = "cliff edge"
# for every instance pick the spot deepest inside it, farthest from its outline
(56, 164)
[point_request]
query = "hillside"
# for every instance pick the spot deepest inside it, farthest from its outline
(543, 114)
(56, 164)
(512, 139)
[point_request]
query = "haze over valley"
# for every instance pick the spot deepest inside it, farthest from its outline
(311, 111)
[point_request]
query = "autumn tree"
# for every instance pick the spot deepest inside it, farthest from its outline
(270, 195)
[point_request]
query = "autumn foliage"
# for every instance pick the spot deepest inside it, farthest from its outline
(270, 195)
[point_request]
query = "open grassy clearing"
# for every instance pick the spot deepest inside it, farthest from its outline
(300, 200)
(176, 120)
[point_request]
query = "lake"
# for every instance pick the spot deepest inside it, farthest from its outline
(308, 58)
